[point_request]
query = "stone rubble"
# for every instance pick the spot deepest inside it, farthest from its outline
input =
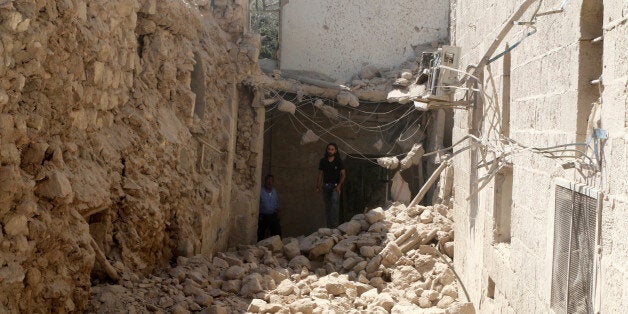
(382, 261)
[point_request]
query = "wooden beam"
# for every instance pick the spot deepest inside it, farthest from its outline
(426, 187)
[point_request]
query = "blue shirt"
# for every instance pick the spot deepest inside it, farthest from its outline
(268, 202)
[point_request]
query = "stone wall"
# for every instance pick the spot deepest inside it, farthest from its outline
(614, 114)
(337, 38)
(543, 87)
(118, 135)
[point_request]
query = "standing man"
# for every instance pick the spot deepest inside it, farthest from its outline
(268, 210)
(331, 176)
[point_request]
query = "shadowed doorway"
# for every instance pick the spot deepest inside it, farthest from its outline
(366, 185)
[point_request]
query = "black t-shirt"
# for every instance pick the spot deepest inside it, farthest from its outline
(331, 170)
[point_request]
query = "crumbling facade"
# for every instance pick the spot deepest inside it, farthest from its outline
(369, 115)
(546, 231)
(119, 130)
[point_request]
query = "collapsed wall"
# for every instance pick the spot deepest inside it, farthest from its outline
(118, 135)
(395, 260)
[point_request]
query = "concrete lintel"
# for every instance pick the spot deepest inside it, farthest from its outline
(579, 187)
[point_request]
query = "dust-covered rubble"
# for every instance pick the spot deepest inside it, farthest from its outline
(383, 261)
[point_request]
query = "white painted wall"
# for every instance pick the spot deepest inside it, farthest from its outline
(338, 38)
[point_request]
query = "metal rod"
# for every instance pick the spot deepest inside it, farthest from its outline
(550, 12)
(502, 34)
(595, 82)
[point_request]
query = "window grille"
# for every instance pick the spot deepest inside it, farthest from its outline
(575, 238)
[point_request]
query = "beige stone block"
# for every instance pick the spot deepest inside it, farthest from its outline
(291, 249)
(232, 286)
(16, 225)
(367, 251)
(149, 7)
(425, 302)
(273, 243)
(9, 154)
(344, 246)
(256, 305)
(391, 254)
(335, 288)
(305, 306)
(377, 282)
(56, 186)
(375, 215)
(445, 302)
(385, 300)
(218, 309)
(220, 263)
(12, 273)
(322, 247)
(462, 308)
(300, 261)
(286, 287)
(99, 70)
(351, 227)
(431, 295)
(426, 217)
(234, 272)
(349, 263)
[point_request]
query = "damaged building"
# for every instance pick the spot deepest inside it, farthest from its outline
(134, 136)
(540, 202)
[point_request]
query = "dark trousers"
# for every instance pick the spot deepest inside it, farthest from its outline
(266, 222)
(332, 204)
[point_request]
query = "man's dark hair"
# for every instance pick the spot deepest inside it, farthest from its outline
(269, 176)
(337, 154)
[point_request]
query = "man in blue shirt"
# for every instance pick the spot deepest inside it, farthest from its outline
(268, 210)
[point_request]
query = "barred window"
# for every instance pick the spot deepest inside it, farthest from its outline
(573, 268)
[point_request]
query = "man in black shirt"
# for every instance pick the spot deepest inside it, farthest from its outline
(331, 176)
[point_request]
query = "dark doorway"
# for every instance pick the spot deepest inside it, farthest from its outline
(366, 186)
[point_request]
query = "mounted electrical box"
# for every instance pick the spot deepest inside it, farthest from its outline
(441, 81)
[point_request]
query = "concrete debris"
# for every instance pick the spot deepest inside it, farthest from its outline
(403, 82)
(318, 104)
(346, 98)
(405, 96)
(400, 189)
(269, 101)
(309, 137)
(330, 112)
(287, 106)
(413, 157)
(388, 162)
(347, 269)
(379, 145)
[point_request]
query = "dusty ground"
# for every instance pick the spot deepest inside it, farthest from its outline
(379, 262)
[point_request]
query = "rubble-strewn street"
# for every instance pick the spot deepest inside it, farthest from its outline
(384, 261)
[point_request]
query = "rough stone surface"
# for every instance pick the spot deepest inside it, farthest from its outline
(107, 127)
(341, 280)
(273, 243)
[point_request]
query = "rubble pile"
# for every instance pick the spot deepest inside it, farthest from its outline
(383, 261)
